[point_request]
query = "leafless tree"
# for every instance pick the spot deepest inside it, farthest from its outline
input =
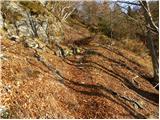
(60, 11)
(150, 27)
(1, 17)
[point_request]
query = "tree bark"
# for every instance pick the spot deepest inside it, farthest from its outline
(155, 62)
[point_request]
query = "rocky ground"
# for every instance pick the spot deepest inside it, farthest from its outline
(99, 82)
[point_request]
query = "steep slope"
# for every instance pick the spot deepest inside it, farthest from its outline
(100, 82)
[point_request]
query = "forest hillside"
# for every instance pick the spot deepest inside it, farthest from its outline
(58, 61)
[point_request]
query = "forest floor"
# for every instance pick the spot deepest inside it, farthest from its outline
(102, 82)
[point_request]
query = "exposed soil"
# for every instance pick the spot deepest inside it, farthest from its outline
(102, 82)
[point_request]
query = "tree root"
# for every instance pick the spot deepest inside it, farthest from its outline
(136, 103)
(48, 65)
(58, 74)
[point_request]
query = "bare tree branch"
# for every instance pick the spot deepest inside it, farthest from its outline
(131, 3)
(148, 15)
(145, 6)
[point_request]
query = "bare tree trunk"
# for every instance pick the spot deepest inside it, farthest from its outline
(155, 63)
(150, 42)
(151, 27)
(1, 16)
(148, 16)
(111, 23)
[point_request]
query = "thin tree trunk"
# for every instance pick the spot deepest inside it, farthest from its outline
(155, 63)
(111, 23)
(1, 16)
(150, 42)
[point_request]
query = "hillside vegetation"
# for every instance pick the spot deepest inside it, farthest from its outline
(71, 70)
